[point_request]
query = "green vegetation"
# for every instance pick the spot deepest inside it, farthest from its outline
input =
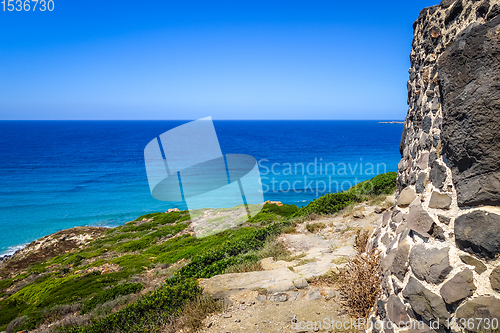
(313, 227)
(334, 202)
(110, 294)
(132, 257)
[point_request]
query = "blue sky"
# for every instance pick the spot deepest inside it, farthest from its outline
(225, 59)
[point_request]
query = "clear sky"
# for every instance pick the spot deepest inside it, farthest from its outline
(191, 59)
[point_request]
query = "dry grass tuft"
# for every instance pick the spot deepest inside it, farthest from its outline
(193, 314)
(361, 239)
(244, 267)
(330, 279)
(313, 227)
(289, 230)
(340, 260)
(359, 297)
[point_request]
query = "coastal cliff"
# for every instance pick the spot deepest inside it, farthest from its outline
(441, 242)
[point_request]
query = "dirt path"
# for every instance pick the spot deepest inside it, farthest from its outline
(285, 301)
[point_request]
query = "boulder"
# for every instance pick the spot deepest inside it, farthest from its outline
(458, 287)
(440, 200)
(468, 77)
(300, 283)
(478, 232)
(406, 197)
(484, 307)
(431, 265)
(424, 302)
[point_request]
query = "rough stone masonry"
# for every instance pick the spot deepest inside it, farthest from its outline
(441, 242)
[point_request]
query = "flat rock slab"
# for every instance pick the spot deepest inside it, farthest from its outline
(277, 280)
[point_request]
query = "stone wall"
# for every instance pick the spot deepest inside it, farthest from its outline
(441, 241)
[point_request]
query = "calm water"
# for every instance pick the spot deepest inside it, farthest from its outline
(60, 174)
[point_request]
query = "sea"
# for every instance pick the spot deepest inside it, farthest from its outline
(56, 175)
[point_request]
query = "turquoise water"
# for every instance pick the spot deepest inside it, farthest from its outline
(60, 174)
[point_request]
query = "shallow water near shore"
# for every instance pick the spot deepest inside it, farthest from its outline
(60, 174)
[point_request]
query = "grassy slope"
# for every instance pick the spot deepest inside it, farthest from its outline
(146, 244)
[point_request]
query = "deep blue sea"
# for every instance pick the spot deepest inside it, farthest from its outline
(56, 175)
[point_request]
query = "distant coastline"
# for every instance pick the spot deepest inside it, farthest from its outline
(391, 122)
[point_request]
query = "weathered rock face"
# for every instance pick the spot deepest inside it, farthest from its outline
(441, 244)
(431, 265)
(484, 307)
(459, 287)
(424, 302)
(478, 232)
(468, 78)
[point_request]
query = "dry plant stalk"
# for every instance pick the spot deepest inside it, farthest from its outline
(359, 284)
(361, 240)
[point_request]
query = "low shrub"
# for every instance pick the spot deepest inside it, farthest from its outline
(358, 298)
(110, 294)
(329, 203)
(334, 202)
(147, 313)
(313, 227)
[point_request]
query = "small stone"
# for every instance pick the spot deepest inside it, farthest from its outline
(357, 214)
(399, 265)
(431, 265)
(293, 296)
(396, 310)
(458, 287)
(495, 279)
(423, 161)
(435, 33)
(440, 200)
(479, 266)
(424, 302)
(444, 219)
(278, 297)
(227, 315)
(437, 232)
(300, 283)
(313, 295)
(397, 216)
(385, 218)
(484, 307)
(261, 298)
(406, 197)
(419, 220)
(385, 239)
(478, 232)
(379, 210)
(427, 122)
(437, 174)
